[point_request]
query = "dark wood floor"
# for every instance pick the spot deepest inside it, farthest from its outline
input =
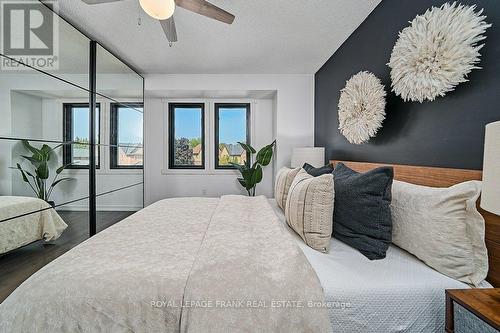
(17, 265)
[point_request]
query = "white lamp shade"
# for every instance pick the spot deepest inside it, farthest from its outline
(158, 9)
(490, 197)
(314, 156)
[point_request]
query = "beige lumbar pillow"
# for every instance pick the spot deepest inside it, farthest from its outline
(442, 227)
(284, 179)
(309, 209)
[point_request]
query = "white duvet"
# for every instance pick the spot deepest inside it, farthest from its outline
(36, 221)
(396, 294)
(179, 265)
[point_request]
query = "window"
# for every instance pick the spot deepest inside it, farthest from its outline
(186, 135)
(231, 126)
(76, 130)
(126, 136)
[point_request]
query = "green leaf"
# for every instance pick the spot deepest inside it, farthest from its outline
(238, 166)
(62, 167)
(41, 190)
(43, 171)
(60, 180)
(22, 173)
(36, 162)
(257, 175)
(265, 155)
(242, 182)
(36, 152)
(247, 176)
(249, 149)
(46, 152)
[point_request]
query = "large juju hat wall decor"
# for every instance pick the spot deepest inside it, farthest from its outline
(361, 107)
(437, 51)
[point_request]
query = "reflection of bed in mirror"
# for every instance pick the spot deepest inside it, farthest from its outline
(26, 220)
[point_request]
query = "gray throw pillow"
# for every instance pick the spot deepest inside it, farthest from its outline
(315, 172)
(362, 214)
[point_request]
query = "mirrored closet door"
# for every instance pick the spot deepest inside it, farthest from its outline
(71, 144)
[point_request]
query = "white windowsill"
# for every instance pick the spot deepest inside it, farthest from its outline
(187, 172)
(114, 172)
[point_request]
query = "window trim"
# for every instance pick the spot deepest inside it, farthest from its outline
(113, 136)
(217, 106)
(171, 135)
(68, 135)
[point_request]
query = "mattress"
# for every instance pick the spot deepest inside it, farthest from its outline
(43, 222)
(396, 294)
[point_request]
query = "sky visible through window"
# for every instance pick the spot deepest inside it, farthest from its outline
(130, 125)
(80, 154)
(187, 123)
(232, 125)
(81, 124)
(129, 150)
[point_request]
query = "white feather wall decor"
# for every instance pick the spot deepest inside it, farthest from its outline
(361, 107)
(437, 51)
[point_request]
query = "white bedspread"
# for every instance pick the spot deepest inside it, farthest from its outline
(396, 294)
(176, 266)
(43, 224)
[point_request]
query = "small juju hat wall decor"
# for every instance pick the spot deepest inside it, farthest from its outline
(437, 51)
(361, 107)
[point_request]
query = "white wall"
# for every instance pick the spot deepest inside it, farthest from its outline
(292, 117)
(27, 120)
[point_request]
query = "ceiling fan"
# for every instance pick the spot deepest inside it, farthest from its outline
(163, 10)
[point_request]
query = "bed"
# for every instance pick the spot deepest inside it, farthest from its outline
(137, 275)
(179, 265)
(36, 221)
(397, 294)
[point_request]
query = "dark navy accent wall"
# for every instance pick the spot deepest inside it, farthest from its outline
(447, 132)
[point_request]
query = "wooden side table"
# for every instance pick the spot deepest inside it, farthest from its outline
(473, 310)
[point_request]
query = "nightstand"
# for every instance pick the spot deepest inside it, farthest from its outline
(473, 310)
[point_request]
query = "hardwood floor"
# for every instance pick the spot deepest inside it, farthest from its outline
(17, 265)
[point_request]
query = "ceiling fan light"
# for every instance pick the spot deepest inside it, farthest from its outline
(158, 9)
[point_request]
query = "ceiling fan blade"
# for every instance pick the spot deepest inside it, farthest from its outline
(168, 26)
(205, 8)
(97, 2)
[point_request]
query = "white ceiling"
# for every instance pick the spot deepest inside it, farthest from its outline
(267, 37)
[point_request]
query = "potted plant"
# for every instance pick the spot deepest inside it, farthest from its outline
(251, 173)
(40, 173)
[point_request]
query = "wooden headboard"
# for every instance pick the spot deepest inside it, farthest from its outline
(444, 177)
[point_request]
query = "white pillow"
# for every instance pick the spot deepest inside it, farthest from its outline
(309, 209)
(442, 227)
(284, 179)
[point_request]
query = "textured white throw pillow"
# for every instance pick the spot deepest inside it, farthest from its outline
(442, 227)
(309, 209)
(284, 179)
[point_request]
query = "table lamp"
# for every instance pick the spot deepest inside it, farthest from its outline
(490, 197)
(315, 156)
